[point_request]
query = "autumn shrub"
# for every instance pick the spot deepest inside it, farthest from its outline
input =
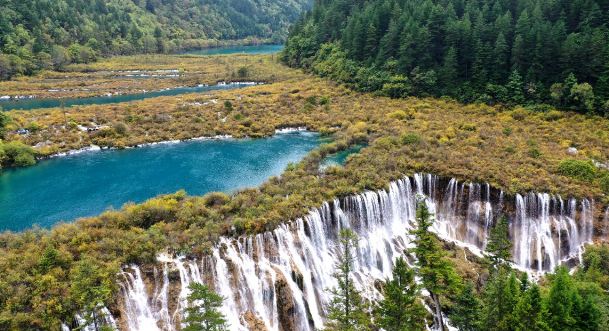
(553, 115)
(577, 169)
(604, 182)
(18, 154)
(215, 199)
(410, 138)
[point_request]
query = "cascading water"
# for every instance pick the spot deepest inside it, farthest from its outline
(278, 280)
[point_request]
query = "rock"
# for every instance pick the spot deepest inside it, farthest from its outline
(285, 303)
(254, 323)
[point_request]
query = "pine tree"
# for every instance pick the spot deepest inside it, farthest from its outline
(499, 295)
(448, 75)
(500, 59)
(585, 313)
(203, 314)
(499, 244)
(347, 309)
(89, 293)
(530, 313)
(400, 310)
(437, 274)
(559, 301)
(515, 88)
(466, 313)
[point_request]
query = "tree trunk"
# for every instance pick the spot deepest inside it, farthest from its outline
(436, 300)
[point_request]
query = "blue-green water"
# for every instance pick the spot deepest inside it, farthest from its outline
(256, 49)
(339, 158)
(65, 188)
(29, 104)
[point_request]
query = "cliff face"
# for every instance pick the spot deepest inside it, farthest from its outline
(277, 280)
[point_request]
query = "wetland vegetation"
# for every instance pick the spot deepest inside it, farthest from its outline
(502, 136)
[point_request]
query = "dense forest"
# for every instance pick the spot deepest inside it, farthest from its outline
(38, 34)
(543, 53)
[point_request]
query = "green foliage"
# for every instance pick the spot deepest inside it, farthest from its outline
(228, 105)
(410, 139)
(500, 296)
(243, 72)
(400, 310)
(121, 128)
(466, 313)
(506, 52)
(41, 35)
(347, 309)
(595, 263)
(499, 245)
(530, 313)
(202, 313)
(437, 274)
(18, 154)
(2, 154)
(5, 119)
(90, 292)
(577, 169)
(559, 302)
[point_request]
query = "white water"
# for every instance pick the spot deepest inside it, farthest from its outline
(281, 276)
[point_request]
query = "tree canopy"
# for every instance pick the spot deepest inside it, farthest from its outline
(45, 34)
(499, 51)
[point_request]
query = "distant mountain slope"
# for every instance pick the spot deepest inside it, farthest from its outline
(499, 51)
(40, 33)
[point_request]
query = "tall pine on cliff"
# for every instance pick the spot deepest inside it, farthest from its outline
(37, 34)
(500, 51)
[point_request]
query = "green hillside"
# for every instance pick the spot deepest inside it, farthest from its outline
(526, 52)
(40, 34)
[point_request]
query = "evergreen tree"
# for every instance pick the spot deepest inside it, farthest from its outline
(203, 314)
(559, 301)
(448, 74)
(585, 313)
(530, 313)
(499, 244)
(499, 295)
(498, 58)
(347, 309)
(401, 310)
(516, 88)
(437, 274)
(90, 294)
(466, 312)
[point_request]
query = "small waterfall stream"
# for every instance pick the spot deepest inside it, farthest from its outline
(277, 280)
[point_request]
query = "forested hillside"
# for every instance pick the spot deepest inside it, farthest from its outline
(37, 34)
(528, 52)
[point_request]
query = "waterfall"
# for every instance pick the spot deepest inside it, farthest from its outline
(105, 317)
(277, 280)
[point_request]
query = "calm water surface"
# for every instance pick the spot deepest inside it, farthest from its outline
(256, 49)
(65, 188)
(28, 104)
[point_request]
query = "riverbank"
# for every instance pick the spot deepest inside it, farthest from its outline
(134, 74)
(516, 150)
(87, 184)
(513, 150)
(93, 147)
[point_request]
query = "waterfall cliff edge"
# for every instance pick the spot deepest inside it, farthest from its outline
(277, 280)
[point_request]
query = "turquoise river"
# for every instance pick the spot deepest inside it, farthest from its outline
(29, 104)
(85, 184)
